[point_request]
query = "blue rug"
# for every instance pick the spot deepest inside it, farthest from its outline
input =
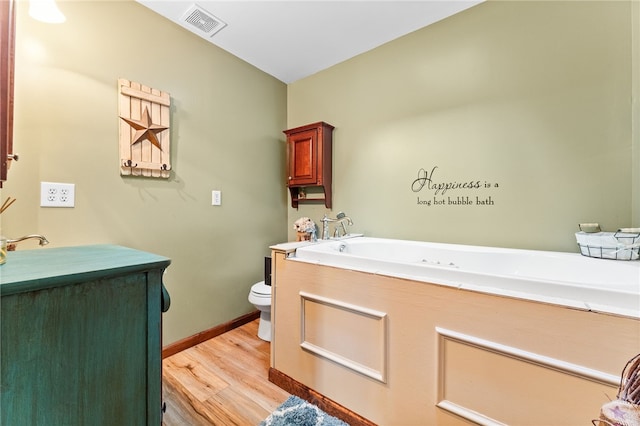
(298, 412)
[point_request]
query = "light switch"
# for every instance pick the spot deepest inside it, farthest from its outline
(216, 198)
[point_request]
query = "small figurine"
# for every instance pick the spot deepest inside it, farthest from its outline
(305, 229)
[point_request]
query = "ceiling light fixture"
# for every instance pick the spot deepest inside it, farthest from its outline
(46, 11)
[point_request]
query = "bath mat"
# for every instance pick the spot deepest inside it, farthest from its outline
(298, 412)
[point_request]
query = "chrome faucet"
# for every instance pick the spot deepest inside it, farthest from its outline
(42, 241)
(325, 226)
(341, 219)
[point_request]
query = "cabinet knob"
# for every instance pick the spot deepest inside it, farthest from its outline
(290, 177)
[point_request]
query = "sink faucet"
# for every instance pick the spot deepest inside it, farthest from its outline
(11, 244)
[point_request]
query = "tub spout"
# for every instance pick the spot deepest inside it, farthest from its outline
(11, 244)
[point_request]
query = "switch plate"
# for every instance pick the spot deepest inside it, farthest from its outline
(53, 194)
(216, 198)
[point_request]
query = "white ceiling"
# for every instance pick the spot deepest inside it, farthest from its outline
(293, 39)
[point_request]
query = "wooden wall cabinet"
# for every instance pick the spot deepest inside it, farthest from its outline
(309, 152)
(7, 43)
(81, 336)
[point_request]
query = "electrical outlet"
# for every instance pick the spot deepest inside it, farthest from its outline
(216, 198)
(54, 194)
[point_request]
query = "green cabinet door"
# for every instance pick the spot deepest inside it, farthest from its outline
(87, 349)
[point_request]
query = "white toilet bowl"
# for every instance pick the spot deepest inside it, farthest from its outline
(260, 297)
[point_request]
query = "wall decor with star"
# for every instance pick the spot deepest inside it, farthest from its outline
(145, 148)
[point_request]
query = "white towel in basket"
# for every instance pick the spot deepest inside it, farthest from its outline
(609, 245)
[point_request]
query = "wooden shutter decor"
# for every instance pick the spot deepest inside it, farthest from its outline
(145, 117)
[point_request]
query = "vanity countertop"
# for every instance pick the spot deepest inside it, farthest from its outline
(37, 269)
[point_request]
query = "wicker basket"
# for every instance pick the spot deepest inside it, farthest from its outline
(630, 383)
(625, 410)
(609, 245)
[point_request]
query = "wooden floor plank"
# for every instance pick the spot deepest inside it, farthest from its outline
(222, 381)
(197, 378)
(252, 412)
(181, 407)
(236, 370)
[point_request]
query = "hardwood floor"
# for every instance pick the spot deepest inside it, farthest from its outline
(222, 381)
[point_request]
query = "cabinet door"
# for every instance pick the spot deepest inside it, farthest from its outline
(7, 31)
(303, 158)
(83, 354)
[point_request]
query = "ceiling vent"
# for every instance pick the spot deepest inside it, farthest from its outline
(205, 23)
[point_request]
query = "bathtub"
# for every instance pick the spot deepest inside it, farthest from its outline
(567, 279)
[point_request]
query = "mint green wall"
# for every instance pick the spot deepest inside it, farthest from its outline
(532, 96)
(226, 134)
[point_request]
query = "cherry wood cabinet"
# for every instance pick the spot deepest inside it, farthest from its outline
(7, 43)
(309, 162)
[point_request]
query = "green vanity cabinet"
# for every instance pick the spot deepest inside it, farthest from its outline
(81, 336)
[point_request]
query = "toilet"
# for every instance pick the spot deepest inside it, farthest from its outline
(260, 297)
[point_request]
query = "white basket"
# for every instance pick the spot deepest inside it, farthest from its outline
(610, 245)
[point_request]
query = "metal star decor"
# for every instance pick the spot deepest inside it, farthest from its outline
(145, 129)
(145, 114)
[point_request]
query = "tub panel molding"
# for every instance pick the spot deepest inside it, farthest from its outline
(465, 413)
(447, 356)
(349, 335)
(476, 378)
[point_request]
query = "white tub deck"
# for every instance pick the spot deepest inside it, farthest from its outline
(567, 279)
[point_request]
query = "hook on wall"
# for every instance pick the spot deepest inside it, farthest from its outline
(129, 163)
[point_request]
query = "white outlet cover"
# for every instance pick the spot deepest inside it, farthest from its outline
(216, 198)
(53, 194)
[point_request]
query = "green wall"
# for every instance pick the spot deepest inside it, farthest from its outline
(226, 134)
(529, 98)
(540, 98)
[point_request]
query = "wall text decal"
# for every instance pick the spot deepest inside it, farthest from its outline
(426, 182)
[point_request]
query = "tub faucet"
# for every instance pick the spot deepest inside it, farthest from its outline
(341, 218)
(325, 226)
(11, 244)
